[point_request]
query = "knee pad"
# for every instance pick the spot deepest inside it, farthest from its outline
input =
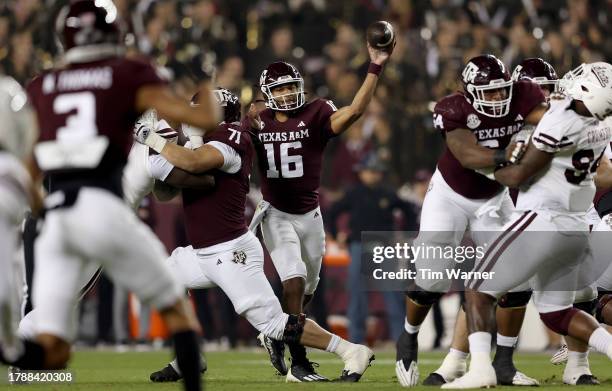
(587, 306)
(599, 315)
(424, 298)
(558, 321)
(514, 299)
(294, 328)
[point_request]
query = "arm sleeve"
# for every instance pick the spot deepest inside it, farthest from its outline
(159, 167)
(231, 159)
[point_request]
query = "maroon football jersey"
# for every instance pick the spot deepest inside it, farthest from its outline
(455, 112)
(87, 102)
(292, 153)
(216, 216)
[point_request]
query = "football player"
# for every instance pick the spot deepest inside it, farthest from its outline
(478, 125)
(559, 165)
(146, 172)
(17, 137)
(86, 110)
(230, 256)
(292, 135)
(511, 307)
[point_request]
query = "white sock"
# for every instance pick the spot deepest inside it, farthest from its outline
(174, 365)
(480, 342)
(456, 353)
(601, 341)
(577, 360)
(338, 346)
(453, 361)
(411, 329)
(502, 340)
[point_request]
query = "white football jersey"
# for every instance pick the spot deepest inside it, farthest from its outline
(578, 143)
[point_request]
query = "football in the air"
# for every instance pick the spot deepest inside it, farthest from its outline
(381, 35)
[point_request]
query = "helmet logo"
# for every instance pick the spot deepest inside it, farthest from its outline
(470, 72)
(600, 74)
(473, 121)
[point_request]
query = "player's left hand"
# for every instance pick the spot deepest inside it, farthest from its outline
(515, 151)
(378, 56)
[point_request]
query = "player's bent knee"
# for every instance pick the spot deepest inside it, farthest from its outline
(558, 321)
(603, 311)
(514, 299)
(424, 298)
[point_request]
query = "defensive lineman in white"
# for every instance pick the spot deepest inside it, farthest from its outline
(562, 157)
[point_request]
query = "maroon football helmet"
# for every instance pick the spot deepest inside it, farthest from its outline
(278, 74)
(226, 99)
(537, 71)
(483, 75)
(88, 22)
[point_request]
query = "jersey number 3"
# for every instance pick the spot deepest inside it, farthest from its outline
(81, 124)
(291, 166)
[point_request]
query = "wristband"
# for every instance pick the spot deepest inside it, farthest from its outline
(499, 157)
(375, 69)
(156, 142)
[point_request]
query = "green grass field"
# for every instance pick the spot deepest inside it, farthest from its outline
(96, 370)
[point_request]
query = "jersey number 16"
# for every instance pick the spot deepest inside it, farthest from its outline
(291, 166)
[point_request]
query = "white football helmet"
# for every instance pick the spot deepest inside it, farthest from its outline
(591, 84)
(19, 130)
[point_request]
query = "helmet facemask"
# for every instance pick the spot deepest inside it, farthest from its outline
(282, 102)
(491, 108)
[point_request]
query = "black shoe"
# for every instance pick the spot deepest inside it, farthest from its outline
(169, 374)
(276, 351)
(304, 372)
(407, 347)
(587, 380)
(434, 379)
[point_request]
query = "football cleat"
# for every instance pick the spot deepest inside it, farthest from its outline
(167, 374)
(276, 351)
(580, 375)
(407, 372)
(356, 361)
(560, 356)
(520, 379)
(304, 372)
(451, 368)
(474, 378)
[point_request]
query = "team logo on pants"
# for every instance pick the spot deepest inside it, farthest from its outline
(240, 257)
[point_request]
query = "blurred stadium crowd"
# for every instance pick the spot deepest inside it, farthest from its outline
(233, 40)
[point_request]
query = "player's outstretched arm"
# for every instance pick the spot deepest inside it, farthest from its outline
(603, 177)
(195, 161)
(532, 162)
(464, 146)
(182, 179)
(205, 116)
(342, 119)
